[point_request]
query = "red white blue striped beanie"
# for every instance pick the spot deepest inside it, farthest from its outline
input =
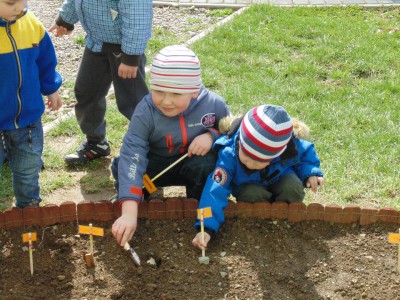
(265, 131)
(175, 69)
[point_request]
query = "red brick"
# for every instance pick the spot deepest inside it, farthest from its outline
(351, 214)
(262, 210)
(143, 208)
(333, 213)
(68, 212)
(244, 209)
(156, 209)
(389, 215)
(13, 217)
(231, 210)
(85, 211)
(117, 206)
(174, 208)
(279, 210)
(50, 214)
(369, 216)
(31, 215)
(2, 220)
(315, 211)
(103, 210)
(297, 212)
(190, 206)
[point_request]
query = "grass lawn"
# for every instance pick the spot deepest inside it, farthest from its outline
(335, 68)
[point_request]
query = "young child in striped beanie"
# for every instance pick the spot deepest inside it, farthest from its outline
(261, 158)
(179, 116)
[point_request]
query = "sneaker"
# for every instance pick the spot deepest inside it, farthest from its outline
(87, 152)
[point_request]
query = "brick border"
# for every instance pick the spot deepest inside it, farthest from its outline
(179, 208)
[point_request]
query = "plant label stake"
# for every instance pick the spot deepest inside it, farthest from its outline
(394, 238)
(133, 254)
(91, 231)
(202, 214)
(29, 238)
(148, 183)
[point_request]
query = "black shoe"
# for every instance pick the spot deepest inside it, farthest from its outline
(87, 152)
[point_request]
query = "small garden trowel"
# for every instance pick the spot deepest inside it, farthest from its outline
(132, 254)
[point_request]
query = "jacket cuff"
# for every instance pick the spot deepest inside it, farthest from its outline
(130, 60)
(60, 22)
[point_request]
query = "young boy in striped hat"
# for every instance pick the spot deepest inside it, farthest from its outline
(179, 116)
(262, 158)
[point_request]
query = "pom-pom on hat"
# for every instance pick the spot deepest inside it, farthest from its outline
(265, 131)
(175, 69)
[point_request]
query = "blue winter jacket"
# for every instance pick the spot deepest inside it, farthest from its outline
(27, 71)
(299, 158)
(152, 132)
(111, 25)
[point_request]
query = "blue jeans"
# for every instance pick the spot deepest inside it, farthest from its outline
(192, 172)
(23, 148)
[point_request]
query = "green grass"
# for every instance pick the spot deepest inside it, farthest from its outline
(336, 69)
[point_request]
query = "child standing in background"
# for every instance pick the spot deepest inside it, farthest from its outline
(260, 159)
(179, 116)
(28, 71)
(117, 36)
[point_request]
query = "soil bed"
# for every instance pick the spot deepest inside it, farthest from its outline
(249, 259)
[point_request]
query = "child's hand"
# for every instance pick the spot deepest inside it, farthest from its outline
(59, 30)
(201, 145)
(127, 72)
(313, 182)
(198, 240)
(54, 101)
(125, 226)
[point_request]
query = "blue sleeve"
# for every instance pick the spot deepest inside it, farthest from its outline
(137, 18)
(215, 194)
(133, 154)
(309, 161)
(68, 12)
(50, 79)
(221, 111)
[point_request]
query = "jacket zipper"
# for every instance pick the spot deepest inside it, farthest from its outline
(15, 50)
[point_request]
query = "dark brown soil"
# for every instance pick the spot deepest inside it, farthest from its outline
(249, 259)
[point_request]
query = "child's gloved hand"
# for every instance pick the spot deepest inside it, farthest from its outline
(124, 227)
(54, 101)
(198, 240)
(201, 145)
(313, 182)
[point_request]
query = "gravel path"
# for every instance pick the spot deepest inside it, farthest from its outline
(179, 21)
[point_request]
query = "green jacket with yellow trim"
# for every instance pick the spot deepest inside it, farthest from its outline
(27, 71)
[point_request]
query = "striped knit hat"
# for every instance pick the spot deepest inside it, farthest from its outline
(265, 131)
(175, 69)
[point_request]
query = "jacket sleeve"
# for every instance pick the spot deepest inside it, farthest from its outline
(215, 194)
(133, 154)
(222, 111)
(309, 161)
(50, 79)
(137, 18)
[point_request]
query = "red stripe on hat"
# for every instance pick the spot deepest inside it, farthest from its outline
(176, 75)
(257, 142)
(175, 87)
(177, 61)
(254, 157)
(268, 128)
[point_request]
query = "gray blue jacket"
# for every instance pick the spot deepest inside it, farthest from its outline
(111, 25)
(299, 158)
(150, 132)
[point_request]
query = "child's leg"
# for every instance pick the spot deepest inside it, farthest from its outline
(288, 189)
(24, 150)
(128, 92)
(252, 192)
(92, 84)
(194, 173)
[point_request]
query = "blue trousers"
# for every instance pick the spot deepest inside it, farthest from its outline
(192, 172)
(23, 147)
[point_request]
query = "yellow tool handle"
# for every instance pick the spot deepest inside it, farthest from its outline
(169, 167)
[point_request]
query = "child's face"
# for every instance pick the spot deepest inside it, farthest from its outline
(251, 163)
(171, 104)
(11, 9)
